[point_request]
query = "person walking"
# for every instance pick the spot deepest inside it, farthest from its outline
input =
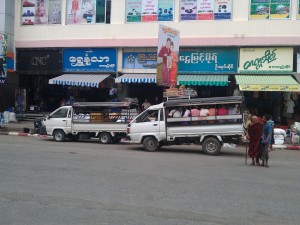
(266, 140)
(254, 133)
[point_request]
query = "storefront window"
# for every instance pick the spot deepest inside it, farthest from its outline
(270, 9)
(149, 10)
(298, 11)
(41, 12)
(205, 10)
(88, 11)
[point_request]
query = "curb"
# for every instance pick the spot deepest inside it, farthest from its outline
(13, 133)
(287, 147)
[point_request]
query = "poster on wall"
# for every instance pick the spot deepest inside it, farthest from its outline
(280, 9)
(223, 9)
(81, 11)
(167, 56)
(298, 10)
(259, 9)
(270, 60)
(3, 53)
(149, 10)
(188, 10)
(41, 12)
(20, 100)
(134, 11)
(205, 9)
(54, 12)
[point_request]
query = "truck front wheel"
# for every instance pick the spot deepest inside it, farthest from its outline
(150, 144)
(59, 135)
(211, 146)
(105, 138)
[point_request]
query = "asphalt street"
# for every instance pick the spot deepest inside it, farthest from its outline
(45, 182)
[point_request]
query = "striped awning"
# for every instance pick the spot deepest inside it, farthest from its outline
(203, 80)
(267, 83)
(137, 78)
(83, 80)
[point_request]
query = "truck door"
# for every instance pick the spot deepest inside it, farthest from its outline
(61, 118)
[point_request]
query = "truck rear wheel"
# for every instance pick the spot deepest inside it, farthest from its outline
(150, 144)
(105, 138)
(211, 146)
(59, 135)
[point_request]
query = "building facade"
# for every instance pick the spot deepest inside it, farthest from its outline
(55, 42)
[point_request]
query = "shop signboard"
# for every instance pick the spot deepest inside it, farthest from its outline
(292, 88)
(139, 60)
(39, 61)
(3, 59)
(208, 61)
(149, 10)
(274, 60)
(90, 60)
(167, 55)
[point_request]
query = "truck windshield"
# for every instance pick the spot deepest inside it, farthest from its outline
(148, 116)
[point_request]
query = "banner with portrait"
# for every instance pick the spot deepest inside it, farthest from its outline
(3, 59)
(167, 56)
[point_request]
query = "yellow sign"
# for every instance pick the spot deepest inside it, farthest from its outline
(292, 88)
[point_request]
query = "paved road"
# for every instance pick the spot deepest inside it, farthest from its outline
(44, 182)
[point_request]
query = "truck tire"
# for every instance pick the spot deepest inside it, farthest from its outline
(59, 136)
(211, 146)
(150, 144)
(105, 138)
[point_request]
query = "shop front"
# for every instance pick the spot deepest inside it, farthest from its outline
(267, 81)
(88, 74)
(208, 70)
(138, 78)
(35, 67)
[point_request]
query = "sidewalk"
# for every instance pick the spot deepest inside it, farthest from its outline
(21, 128)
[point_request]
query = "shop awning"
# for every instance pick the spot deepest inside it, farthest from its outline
(203, 80)
(83, 80)
(267, 83)
(137, 78)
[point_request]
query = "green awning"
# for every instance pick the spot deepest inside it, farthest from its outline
(203, 80)
(267, 83)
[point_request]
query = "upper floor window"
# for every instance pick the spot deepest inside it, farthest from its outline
(88, 11)
(270, 9)
(149, 10)
(41, 12)
(205, 10)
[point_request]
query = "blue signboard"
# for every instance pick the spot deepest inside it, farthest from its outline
(90, 60)
(208, 61)
(139, 60)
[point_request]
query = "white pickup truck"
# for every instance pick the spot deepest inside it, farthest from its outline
(83, 120)
(157, 126)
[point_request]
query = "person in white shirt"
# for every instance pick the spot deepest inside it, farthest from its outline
(146, 104)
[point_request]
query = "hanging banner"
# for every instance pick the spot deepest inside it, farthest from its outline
(149, 10)
(167, 56)
(81, 11)
(165, 10)
(205, 9)
(188, 9)
(266, 60)
(223, 9)
(134, 10)
(259, 9)
(208, 61)
(90, 60)
(3, 54)
(139, 60)
(280, 9)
